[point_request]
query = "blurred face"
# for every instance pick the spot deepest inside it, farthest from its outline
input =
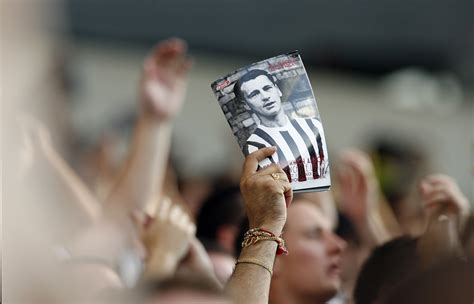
(262, 96)
(188, 296)
(223, 265)
(312, 267)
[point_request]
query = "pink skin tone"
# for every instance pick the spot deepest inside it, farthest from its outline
(311, 271)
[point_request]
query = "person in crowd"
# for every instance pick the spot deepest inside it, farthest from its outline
(365, 219)
(266, 194)
(162, 93)
(217, 227)
(387, 265)
(450, 281)
(401, 258)
(219, 218)
(142, 235)
(105, 240)
(310, 273)
(399, 164)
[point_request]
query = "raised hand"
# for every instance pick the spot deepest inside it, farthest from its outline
(447, 209)
(440, 193)
(266, 193)
(167, 239)
(164, 79)
(69, 196)
(362, 201)
(358, 183)
(162, 93)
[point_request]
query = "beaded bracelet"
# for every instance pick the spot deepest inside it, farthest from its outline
(256, 235)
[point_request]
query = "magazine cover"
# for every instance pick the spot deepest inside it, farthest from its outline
(271, 103)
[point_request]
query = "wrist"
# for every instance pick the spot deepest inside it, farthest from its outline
(161, 264)
(275, 228)
(260, 249)
(256, 235)
(147, 118)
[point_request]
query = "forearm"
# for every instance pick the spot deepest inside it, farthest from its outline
(160, 266)
(371, 230)
(377, 230)
(250, 283)
(73, 189)
(142, 177)
(266, 198)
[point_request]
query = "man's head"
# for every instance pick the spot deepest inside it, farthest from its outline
(311, 270)
(387, 265)
(258, 90)
(219, 218)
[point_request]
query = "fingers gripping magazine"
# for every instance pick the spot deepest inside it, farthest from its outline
(271, 103)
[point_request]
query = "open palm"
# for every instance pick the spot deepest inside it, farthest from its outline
(164, 79)
(358, 183)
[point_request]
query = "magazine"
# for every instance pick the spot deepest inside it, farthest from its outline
(271, 103)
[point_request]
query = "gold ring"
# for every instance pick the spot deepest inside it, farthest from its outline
(276, 176)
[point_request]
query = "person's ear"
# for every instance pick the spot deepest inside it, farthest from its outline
(279, 91)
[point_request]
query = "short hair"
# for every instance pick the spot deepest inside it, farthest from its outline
(387, 265)
(223, 207)
(252, 74)
(450, 281)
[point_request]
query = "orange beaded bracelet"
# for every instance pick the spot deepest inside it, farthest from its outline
(256, 235)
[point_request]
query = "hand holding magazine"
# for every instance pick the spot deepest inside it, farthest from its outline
(271, 103)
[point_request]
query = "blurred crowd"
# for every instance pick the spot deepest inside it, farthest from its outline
(135, 231)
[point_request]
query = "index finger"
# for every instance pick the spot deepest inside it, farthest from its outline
(251, 161)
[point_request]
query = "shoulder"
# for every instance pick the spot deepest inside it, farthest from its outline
(253, 144)
(316, 121)
(253, 136)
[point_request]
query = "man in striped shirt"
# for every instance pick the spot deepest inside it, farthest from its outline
(301, 148)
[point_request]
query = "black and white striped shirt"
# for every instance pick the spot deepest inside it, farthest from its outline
(302, 151)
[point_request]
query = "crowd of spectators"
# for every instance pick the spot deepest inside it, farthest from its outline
(147, 240)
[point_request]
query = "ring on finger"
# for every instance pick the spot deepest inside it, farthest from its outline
(276, 176)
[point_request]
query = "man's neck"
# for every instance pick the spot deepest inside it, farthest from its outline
(280, 120)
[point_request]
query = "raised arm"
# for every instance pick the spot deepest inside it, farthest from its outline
(162, 92)
(362, 201)
(266, 194)
(447, 210)
(66, 192)
(166, 239)
(441, 194)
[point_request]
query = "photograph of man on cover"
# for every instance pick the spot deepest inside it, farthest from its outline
(300, 152)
